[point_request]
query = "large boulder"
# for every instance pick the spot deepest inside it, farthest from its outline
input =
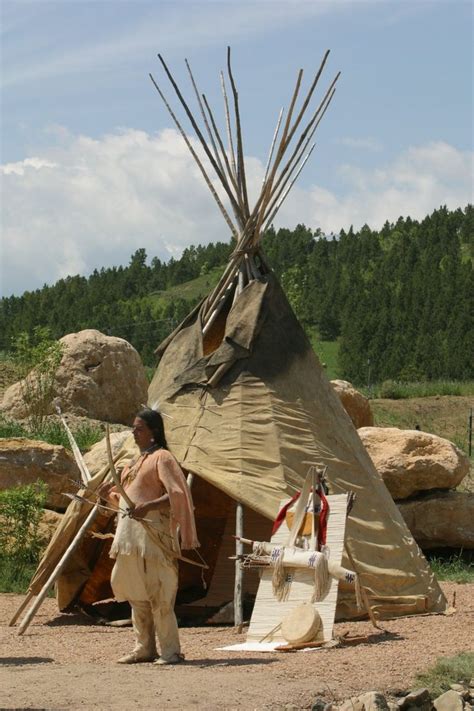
(24, 461)
(48, 524)
(96, 458)
(441, 520)
(355, 404)
(100, 377)
(411, 461)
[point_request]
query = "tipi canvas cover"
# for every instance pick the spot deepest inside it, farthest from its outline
(249, 405)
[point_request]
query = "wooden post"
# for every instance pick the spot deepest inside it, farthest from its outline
(239, 549)
(58, 569)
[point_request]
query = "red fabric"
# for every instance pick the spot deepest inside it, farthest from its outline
(281, 514)
(323, 519)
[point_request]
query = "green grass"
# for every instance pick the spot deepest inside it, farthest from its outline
(446, 671)
(86, 435)
(327, 352)
(190, 290)
(397, 390)
(454, 569)
(15, 578)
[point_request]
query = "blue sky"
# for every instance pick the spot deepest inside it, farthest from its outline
(92, 168)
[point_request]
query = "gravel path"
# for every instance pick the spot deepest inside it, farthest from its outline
(64, 662)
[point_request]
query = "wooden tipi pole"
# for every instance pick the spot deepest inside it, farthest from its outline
(239, 549)
(57, 570)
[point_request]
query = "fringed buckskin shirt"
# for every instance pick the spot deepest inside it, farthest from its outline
(149, 477)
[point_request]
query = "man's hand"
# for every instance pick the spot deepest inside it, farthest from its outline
(105, 489)
(140, 510)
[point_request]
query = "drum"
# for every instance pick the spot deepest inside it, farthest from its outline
(301, 624)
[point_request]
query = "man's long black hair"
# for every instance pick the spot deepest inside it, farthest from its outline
(154, 422)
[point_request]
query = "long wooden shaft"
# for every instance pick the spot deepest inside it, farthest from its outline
(239, 549)
(228, 169)
(208, 321)
(274, 208)
(58, 570)
(306, 101)
(240, 145)
(198, 131)
(25, 602)
(272, 146)
(229, 128)
(295, 158)
(223, 286)
(204, 118)
(310, 129)
(85, 474)
(200, 165)
(219, 373)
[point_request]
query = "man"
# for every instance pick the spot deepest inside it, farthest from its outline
(146, 541)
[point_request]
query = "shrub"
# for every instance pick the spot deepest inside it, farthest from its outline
(448, 670)
(37, 359)
(21, 509)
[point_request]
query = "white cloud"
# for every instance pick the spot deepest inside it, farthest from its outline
(366, 144)
(20, 166)
(417, 182)
(91, 203)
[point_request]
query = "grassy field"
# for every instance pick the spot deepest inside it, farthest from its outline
(445, 416)
(86, 434)
(190, 290)
(457, 568)
(327, 352)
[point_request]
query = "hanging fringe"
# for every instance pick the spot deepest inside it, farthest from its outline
(281, 580)
(322, 579)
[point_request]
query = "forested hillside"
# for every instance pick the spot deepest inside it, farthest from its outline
(399, 300)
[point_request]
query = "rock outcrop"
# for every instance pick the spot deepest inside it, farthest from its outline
(96, 458)
(355, 404)
(441, 520)
(411, 461)
(24, 461)
(100, 377)
(370, 701)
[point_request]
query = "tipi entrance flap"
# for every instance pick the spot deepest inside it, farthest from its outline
(242, 325)
(184, 357)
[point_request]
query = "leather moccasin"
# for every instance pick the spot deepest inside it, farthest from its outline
(135, 658)
(174, 659)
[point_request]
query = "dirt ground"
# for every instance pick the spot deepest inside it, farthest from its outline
(66, 662)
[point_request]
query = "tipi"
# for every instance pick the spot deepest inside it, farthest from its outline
(248, 405)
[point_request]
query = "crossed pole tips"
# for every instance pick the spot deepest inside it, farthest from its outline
(223, 166)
